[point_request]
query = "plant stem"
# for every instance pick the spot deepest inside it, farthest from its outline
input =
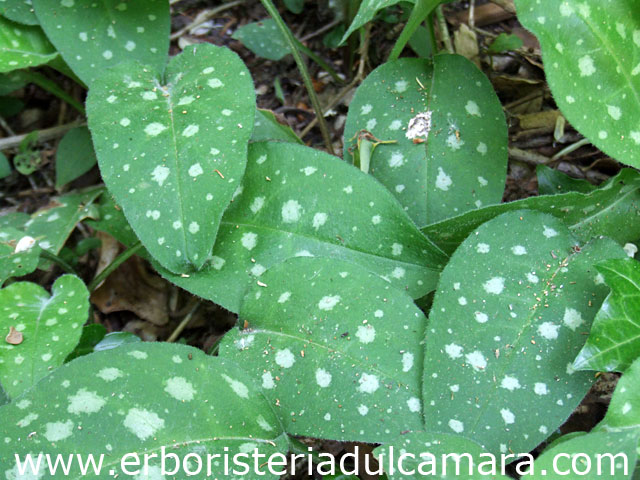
(119, 260)
(291, 41)
(52, 257)
(43, 135)
(420, 12)
(444, 30)
(183, 324)
(51, 87)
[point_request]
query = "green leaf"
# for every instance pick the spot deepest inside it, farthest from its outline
(586, 45)
(10, 82)
(509, 316)
(624, 409)
(295, 6)
(175, 171)
(23, 46)
(15, 220)
(614, 341)
(94, 36)
(264, 39)
(52, 225)
(17, 263)
(267, 127)
(20, 11)
(553, 182)
(74, 156)
(51, 326)
(141, 398)
(461, 161)
(5, 166)
(91, 335)
(504, 43)
(111, 220)
(612, 210)
(115, 340)
(297, 201)
(336, 346)
(438, 445)
(556, 463)
(4, 398)
(366, 12)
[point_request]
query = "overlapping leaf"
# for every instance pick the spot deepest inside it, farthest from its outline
(172, 155)
(553, 182)
(50, 325)
(141, 398)
(295, 201)
(624, 410)
(94, 36)
(591, 53)
(23, 46)
(508, 318)
(264, 39)
(267, 127)
(449, 150)
(612, 210)
(74, 155)
(366, 12)
(337, 347)
(16, 263)
(20, 11)
(614, 341)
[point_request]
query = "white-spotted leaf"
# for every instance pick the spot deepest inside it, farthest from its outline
(23, 46)
(93, 36)
(144, 398)
(624, 409)
(449, 150)
(509, 316)
(172, 153)
(366, 12)
(612, 210)
(51, 326)
(264, 39)
(20, 11)
(295, 201)
(591, 53)
(19, 254)
(267, 127)
(336, 347)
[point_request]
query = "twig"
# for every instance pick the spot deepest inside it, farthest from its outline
(53, 88)
(472, 9)
(183, 324)
(52, 257)
(203, 18)
(119, 260)
(444, 30)
(306, 78)
(528, 157)
(571, 148)
(334, 101)
(43, 135)
(5, 125)
(320, 31)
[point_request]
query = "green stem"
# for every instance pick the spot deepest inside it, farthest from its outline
(119, 260)
(52, 257)
(419, 14)
(291, 41)
(324, 65)
(444, 30)
(51, 87)
(183, 324)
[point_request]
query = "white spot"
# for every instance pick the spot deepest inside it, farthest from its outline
(368, 383)
(398, 273)
(149, 96)
(540, 388)
(309, 170)
(400, 188)
(215, 83)
(482, 149)
(396, 160)
(143, 423)
(572, 318)
(476, 360)
(258, 270)
(494, 286)
(462, 301)
(194, 227)
(395, 125)
(507, 416)
(585, 64)
(366, 109)
(348, 189)
(85, 402)
(138, 355)
(481, 317)
(630, 249)
(510, 383)
(396, 249)
(190, 130)
(160, 174)
(548, 330)
(238, 387)
(130, 46)
(570, 99)
(472, 108)
(626, 408)
(180, 389)
(614, 112)
(635, 136)
(154, 129)
(363, 410)
(267, 381)
(549, 232)
(249, 240)
(195, 170)
(456, 425)
(532, 277)
(284, 297)
(401, 86)
(56, 432)
(519, 250)
(186, 100)
(328, 302)
(83, 36)
(285, 358)
(483, 248)
(407, 361)
(419, 126)
(376, 219)
(24, 244)
(454, 142)
(323, 378)
(155, 214)
(371, 124)
(443, 181)
(366, 333)
(110, 374)
(454, 351)
(291, 211)
(107, 54)
(261, 159)
(319, 219)
(414, 404)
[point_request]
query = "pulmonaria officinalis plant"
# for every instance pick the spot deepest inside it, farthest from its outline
(386, 297)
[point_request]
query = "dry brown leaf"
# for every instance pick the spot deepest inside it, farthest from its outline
(15, 337)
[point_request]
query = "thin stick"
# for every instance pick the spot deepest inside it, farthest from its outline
(203, 18)
(306, 78)
(43, 135)
(52, 257)
(444, 30)
(119, 260)
(571, 148)
(183, 324)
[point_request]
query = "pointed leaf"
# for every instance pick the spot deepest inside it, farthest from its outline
(23, 46)
(366, 12)
(74, 155)
(552, 182)
(449, 107)
(587, 44)
(140, 398)
(508, 318)
(336, 346)
(624, 410)
(264, 39)
(17, 263)
(267, 127)
(20, 11)
(94, 36)
(614, 341)
(297, 201)
(50, 325)
(175, 171)
(612, 210)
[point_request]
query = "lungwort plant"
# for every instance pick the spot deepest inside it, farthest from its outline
(387, 297)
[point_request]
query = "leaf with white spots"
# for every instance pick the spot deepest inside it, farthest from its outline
(23, 46)
(19, 254)
(366, 13)
(264, 39)
(613, 210)
(508, 318)
(591, 53)
(624, 409)
(51, 326)
(614, 341)
(94, 36)
(295, 201)
(438, 445)
(449, 150)
(337, 346)
(20, 11)
(141, 398)
(173, 154)
(267, 127)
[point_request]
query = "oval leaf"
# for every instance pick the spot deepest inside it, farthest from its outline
(264, 39)
(167, 396)
(23, 46)
(587, 44)
(297, 201)
(338, 348)
(624, 410)
(449, 107)
(94, 36)
(50, 325)
(614, 341)
(175, 170)
(508, 318)
(74, 156)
